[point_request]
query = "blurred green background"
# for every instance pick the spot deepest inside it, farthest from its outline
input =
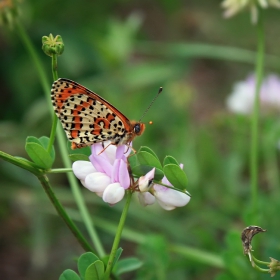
(124, 50)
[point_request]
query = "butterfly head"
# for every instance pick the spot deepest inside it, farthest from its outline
(137, 128)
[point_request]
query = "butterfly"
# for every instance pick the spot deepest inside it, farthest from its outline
(87, 118)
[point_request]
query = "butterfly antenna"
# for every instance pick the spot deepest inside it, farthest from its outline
(159, 91)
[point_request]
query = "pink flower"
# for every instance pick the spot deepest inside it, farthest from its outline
(241, 99)
(106, 174)
(166, 197)
(145, 183)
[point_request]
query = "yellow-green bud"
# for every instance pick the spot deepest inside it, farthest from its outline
(52, 45)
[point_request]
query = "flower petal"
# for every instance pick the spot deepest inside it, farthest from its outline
(101, 163)
(123, 151)
(145, 181)
(113, 193)
(97, 182)
(124, 178)
(169, 198)
(165, 206)
(146, 198)
(82, 168)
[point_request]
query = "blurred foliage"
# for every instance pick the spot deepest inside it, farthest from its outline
(115, 49)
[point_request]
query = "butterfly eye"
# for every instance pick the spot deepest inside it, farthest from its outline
(137, 128)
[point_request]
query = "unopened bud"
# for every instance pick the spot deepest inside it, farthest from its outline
(52, 46)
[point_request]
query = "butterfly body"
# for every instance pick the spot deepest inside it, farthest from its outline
(87, 118)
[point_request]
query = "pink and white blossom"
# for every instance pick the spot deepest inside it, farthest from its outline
(167, 198)
(106, 174)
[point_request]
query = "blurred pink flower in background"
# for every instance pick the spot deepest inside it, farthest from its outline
(241, 100)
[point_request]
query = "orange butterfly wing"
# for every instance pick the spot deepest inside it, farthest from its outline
(87, 118)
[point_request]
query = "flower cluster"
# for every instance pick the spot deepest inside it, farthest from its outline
(107, 175)
(167, 198)
(241, 100)
(232, 7)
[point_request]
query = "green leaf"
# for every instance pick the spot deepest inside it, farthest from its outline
(84, 261)
(75, 157)
(133, 161)
(44, 140)
(148, 150)
(38, 153)
(117, 256)
(141, 170)
(69, 274)
(95, 271)
(170, 160)
(146, 158)
(126, 265)
(176, 176)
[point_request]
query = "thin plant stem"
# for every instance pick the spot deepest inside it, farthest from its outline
(61, 140)
(62, 213)
(75, 187)
(129, 234)
(53, 133)
(54, 124)
(73, 181)
(59, 170)
(54, 67)
(39, 173)
(34, 55)
(117, 237)
(255, 119)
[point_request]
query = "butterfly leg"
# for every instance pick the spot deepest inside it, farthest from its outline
(104, 148)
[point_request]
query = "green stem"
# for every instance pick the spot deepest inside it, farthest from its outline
(36, 60)
(59, 170)
(61, 142)
(54, 67)
(54, 124)
(131, 235)
(72, 179)
(255, 120)
(21, 162)
(24, 164)
(62, 213)
(53, 132)
(117, 237)
(75, 187)
(260, 262)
